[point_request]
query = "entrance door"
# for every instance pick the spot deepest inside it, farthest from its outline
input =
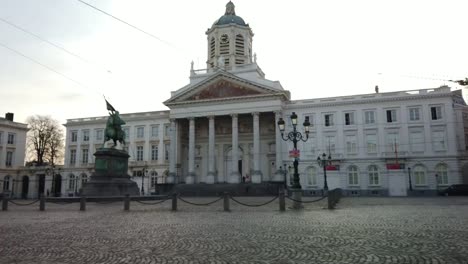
(57, 187)
(25, 187)
(397, 185)
(228, 160)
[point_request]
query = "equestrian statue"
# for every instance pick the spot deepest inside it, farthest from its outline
(114, 127)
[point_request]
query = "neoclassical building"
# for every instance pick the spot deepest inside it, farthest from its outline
(12, 152)
(221, 128)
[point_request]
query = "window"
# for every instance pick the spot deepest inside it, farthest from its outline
(414, 114)
(329, 120)
(353, 176)
(240, 50)
(441, 174)
(84, 156)
(167, 130)
(166, 151)
(84, 179)
(99, 134)
(140, 131)
(312, 176)
(85, 135)
(393, 140)
(417, 141)
(371, 142)
(391, 116)
(349, 119)
(139, 153)
(9, 159)
(419, 175)
(155, 131)
(312, 143)
(11, 138)
(1, 137)
(351, 144)
(74, 136)
(330, 144)
(6, 183)
(438, 140)
(72, 156)
(373, 175)
(436, 112)
(212, 47)
(126, 130)
(369, 117)
(71, 182)
(154, 152)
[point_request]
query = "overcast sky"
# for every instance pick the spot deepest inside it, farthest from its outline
(314, 48)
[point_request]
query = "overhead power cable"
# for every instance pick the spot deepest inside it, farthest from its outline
(126, 23)
(45, 66)
(49, 42)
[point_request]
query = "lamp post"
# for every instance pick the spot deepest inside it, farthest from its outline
(409, 178)
(295, 136)
(323, 162)
(437, 182)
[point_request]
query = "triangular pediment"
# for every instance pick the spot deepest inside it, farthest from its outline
(222, 87)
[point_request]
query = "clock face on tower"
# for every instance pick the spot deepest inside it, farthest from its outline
(224, 39)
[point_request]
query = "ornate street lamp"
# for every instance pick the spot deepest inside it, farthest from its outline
(324, 162)
(295, 136)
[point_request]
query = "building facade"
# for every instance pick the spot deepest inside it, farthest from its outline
(12, 153)
(222, 128)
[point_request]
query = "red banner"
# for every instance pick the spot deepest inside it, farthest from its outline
(295, 153)
(395, 166)
(332, 167)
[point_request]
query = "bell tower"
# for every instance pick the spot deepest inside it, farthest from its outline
(229, 41)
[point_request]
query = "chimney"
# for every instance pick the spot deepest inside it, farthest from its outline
(9, 116)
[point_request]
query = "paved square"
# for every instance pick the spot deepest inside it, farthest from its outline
(360, 230)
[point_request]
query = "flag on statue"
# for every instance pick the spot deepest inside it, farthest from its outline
(109, 106)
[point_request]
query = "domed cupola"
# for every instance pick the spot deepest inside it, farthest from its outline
(229, 41)
(230, 17)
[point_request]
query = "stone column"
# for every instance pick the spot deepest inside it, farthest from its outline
(172, 154)
(190, 179)
(256, 174)
(211, 151)
(279, 174)
(235, 176)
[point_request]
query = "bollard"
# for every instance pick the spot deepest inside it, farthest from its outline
(282, 202)
(226, 202)
(174, 202)
(5, 203)
(83, 203)
(127, 202)
(41, 202)
(331, 197)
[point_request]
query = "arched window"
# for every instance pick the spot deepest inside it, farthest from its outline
(71, 182)
(6, 183)
(419, 174)
(373, 172)
(442, 174)
(212, 47)
(353, 175)
(154, 178)
(312, 176)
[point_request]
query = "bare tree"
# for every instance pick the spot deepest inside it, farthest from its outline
(45, 139)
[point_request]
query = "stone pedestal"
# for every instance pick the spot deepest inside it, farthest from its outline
(110, 177)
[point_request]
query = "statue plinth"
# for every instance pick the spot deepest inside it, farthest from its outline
(110, 177)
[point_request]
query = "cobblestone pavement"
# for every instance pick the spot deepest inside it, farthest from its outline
(360, 230)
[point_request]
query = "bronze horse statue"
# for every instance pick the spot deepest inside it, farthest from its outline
(114, 129)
